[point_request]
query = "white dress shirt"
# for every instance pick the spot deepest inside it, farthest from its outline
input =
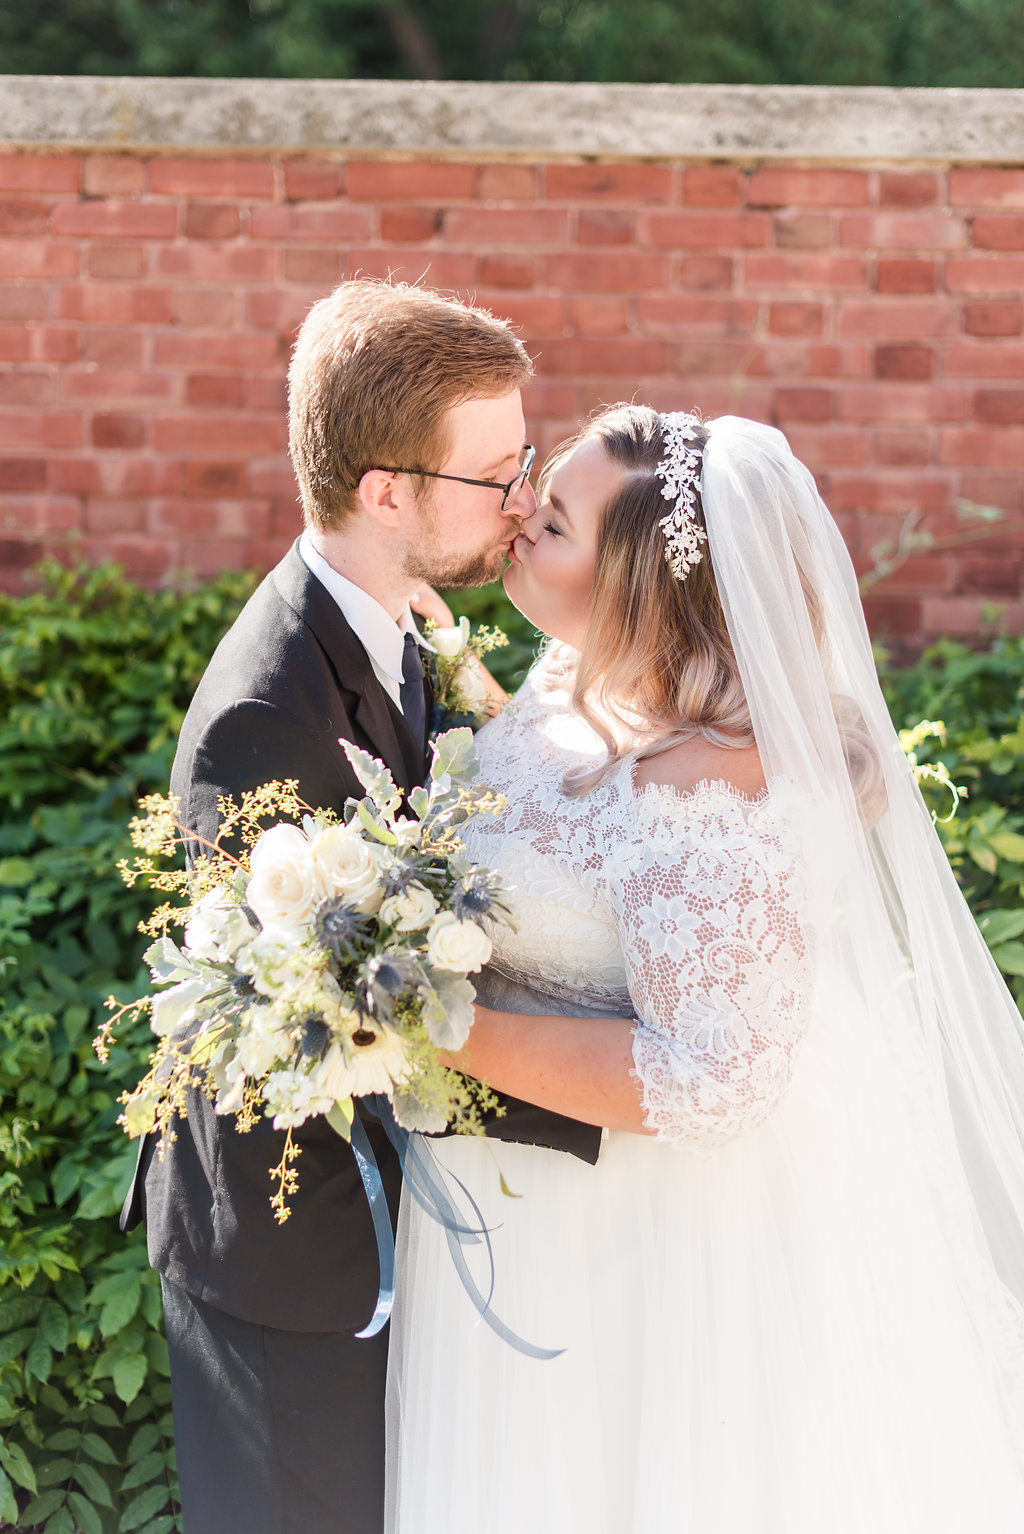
(380, 636)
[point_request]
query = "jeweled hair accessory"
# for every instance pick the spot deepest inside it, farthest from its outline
(680, 469)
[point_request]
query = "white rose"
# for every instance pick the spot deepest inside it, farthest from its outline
(349, 867)
(460, 946)
(410, 911)
(451, 642)
(471, 685)
(289, 1097)
(174, 1007)
(217, 928)
(285, 885)
(261, 1041)
(274, 959)
(229, 1098)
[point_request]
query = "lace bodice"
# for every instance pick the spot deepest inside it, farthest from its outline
(686, 911)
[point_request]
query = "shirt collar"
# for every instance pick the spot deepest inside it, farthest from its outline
(381, 637)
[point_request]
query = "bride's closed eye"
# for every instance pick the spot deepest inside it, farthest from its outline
(549, 527)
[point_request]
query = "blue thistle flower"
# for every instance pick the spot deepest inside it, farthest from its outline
(339, 929)
(315, 1034)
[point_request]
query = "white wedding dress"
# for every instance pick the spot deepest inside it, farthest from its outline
(767, 1326)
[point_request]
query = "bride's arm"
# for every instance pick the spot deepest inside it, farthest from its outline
(579, 1066)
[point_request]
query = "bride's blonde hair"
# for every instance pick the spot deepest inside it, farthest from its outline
(656, 659)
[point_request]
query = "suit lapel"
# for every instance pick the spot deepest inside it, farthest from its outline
(374, 716)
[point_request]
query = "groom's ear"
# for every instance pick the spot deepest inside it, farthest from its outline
(384, 496)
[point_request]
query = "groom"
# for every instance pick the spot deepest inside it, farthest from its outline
(407, 437)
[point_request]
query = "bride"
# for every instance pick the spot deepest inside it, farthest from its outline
(788, 1298)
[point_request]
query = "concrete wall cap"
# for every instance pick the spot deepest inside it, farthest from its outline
(532, 121)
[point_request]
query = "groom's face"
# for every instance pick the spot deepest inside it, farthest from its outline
(462, 534)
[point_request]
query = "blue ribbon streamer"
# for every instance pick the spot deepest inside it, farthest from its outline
(425, 1181)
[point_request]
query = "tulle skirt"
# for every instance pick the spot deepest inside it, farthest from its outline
(783, 1337)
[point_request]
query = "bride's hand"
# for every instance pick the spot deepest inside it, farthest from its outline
(427, 604)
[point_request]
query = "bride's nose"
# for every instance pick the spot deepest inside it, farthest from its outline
(530, 525)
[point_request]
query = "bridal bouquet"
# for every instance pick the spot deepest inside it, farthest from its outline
(328, 961)
(461, 696)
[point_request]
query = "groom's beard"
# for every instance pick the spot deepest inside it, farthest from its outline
(432, 564)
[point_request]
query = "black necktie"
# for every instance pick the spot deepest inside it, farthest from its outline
(411, 692)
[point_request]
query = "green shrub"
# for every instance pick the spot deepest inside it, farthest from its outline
(95, 676)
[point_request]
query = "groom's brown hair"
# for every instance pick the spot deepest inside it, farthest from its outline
(376, 367)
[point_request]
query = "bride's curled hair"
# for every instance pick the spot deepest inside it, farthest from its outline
(657, 666)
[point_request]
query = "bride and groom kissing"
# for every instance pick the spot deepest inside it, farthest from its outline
(740, 997)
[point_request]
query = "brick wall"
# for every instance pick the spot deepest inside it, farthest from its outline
(148, 302)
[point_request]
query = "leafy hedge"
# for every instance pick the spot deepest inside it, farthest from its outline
(95, 676)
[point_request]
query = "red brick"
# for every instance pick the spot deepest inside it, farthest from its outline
(118, 429)
(304, 223)
(201, 177)
(902, 231)
(885, 319)
(52, 428)
(412, 181)
(987, 186)
(268, 476)
(452, 271)
(903, 275)
(142, 558)
(217, 433)
(113, 175)
(979, 445)
(907, 361)
(626, 183)
(998, 231)
(115, 516)
(17, 555)
(218, 351)
(808, 269)
(674, 312)
(207, 308)
(40, 172)
(42, 514)
(55, 343)
(621, 355)
(889, 493)
(267, 392)
(209, 556)
(92, 382)
(15, 343)
(597, 316)
(116, 220)
(704, 272)
(1005, 318)
(889, 400)
(212, 221)
(210, 261)
(19, 475)
(609, 272)
(124, 262)
(716, 356)
(999, 407)
(804, 404)
(796, 357)
(413, 224)
(535, 314)
(908, 449)
(226, 389)
(112, 348)
(802, 231)
(115, 304)
(795, 319)
(696, 228)
(506, 226)
(285, 518)
(308, 180)
(23, 219)
(321, 268)
(22, 303)
(508, 271)
(713, 186)
(211, 520)
(594, 226)
(953, 615)
(38, 258)
(780, 187)
(1003, 489)
(206, 478)
(985, 274)
(909, 189)
(507, 183)
(836, 446)
(999, 577)
(976, 359)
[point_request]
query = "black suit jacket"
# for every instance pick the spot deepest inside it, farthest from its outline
(288, 679)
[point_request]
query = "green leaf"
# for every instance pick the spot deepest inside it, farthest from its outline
(39, 1360)
(67, 1438)
(42, 1506)
(144, 1439)
(1009, 958)
(18, 1312)
(372, 774)
(143, 1507)
(163, 1525)
(14, 1344)
(999, 926)
(92, 1483)
(53, 1323)
(454, 756)
(130, 1375)
(89, 1520)
(340, 1116)
(120, 1308)
(95, 1447)
(15, 1462)
(8, 1505)
(373, 826)
(146, 1469)
(1008, 845)
(61, 1522)
(53, 1472)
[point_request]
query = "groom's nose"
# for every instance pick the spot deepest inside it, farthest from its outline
(523, 504)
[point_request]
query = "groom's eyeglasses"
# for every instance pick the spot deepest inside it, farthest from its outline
(507, 491)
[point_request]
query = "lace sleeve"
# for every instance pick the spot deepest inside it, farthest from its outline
(715, 935)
